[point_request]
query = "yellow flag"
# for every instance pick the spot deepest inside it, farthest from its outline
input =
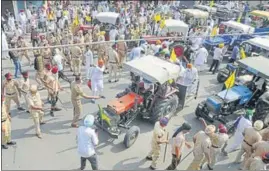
(230, 81)
(76, 21)
(242, 53)
(162, 24)
(214, 31)
(173, 56)
(211, 3)
(157, 17)
(88, 18)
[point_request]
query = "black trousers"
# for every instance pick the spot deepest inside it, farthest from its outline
(175, 162)
(64, 77)
(53, 101)
(231, 60)
(34, 42)
(215, 65)
(92, 160)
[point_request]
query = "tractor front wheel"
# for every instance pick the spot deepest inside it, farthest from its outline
(164, 108)
(131, 136)
(221, 78)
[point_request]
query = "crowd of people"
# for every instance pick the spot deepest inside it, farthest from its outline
(61, 23)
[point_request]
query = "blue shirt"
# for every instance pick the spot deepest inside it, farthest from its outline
(235, 52)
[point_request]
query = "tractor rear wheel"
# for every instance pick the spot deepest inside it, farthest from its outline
(164, 108)
(131, 136)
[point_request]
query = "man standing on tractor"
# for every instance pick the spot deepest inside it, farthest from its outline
(159, 137)
(178, 143)
(76, 94)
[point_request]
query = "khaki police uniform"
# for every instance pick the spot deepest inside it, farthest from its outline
(265, 134)
(76, 93)
(12, 93)
(24, 89)
(177, 142)
(202, 146)
(23, 53)
(37, 115)
(66, 50)
(158, 134)
(113, 62)
(76, 59)
(218, 140)
(40, 71)
(251, 136)
(46, 54)
(256, 163)
(6, 125)
(258, 149)
(122, 50)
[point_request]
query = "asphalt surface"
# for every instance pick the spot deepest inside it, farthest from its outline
(58, 151)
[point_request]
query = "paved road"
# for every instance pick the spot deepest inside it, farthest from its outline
(57, 149)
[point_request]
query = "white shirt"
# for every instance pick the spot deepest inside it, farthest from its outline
(43, 17)
(97, 73)
(86, 140)
(22, 18)
(112, 34)
(58, 61)
(28, 14)
(218, 54)
(189, 76)
(59, 13)
(89, 58)
(201, 56)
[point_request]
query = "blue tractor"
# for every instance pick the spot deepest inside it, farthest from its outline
(227, 104)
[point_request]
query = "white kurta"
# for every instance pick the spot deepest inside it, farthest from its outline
(89, 61)
(97, 80)
(189, 79)
(11, 23)
(201, 57)
(4, 45)
(238, 136)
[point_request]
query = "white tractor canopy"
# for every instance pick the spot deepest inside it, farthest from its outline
(107, 17)
(196, 13)
(153, 69)
(176, 26)
(206, 8)
(239, 26)
(256, 65)
(262, 42)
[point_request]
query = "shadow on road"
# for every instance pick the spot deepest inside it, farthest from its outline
(130, 166)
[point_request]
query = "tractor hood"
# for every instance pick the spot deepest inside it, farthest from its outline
(237, 92)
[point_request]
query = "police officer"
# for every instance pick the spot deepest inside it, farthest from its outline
(11, 90)
(76, 53)
(76, 94)
(259, 162)
(46, 75)
(251, 136)
(36, 109)
(178, 143)
(113, 63)
(53, 86)
(6, 126)
(219, 141)
(39, 67)
(265, 134)
(22, 44)
(24, 87)
(202, 144)
(159, 137)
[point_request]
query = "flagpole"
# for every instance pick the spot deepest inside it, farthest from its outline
(228, 88)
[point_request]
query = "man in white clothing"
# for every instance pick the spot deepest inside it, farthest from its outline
(201, 58)
(97, 78)
(113, 34)
(87, 140)
(190, 79)
(241, 124)
(89, 61)
(23, 21)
